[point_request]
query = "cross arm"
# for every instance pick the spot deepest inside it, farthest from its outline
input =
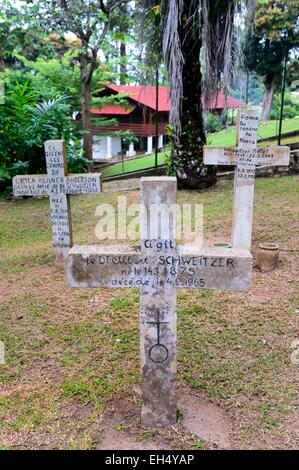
(97, 266)
(87, 183)
(273, 156)
(215, 268)
(31, 185)
(42, 185)
(262, 156)
(191, 267)
(220, 156)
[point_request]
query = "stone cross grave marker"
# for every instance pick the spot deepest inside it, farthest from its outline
(58, 185)
(158, 268)
(246, 156)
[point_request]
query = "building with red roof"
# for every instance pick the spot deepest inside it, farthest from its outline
(138, 117)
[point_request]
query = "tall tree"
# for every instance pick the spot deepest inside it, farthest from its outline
(190, 29)
(90, 21)
(274, 35)
(123, 27)
(21, 32)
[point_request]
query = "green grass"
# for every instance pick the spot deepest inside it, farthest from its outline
(226, 137)
(73, 354)
(135, 164)
(266, 129)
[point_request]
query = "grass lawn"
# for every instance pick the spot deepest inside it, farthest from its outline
(266, 129)
(226, 137)
(134, 165)
(72, 367)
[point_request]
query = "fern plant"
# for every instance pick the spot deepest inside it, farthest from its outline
(26, 122)
(44, 118)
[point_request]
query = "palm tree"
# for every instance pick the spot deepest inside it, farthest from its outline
(190, 30)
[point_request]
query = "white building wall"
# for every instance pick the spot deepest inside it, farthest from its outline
(116, 146)
(149, 145)
(99, 149)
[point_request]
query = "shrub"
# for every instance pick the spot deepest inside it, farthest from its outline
(290, 108)
(129, 138)
(26, 122)
(213, 123)
(77, 163)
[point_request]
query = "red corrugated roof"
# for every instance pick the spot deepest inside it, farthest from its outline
(231, 102)
(113, 109)
(146, 95)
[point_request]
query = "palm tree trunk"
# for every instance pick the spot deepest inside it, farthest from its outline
(187, 154)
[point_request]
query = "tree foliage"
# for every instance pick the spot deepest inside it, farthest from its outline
(21, 32)
(90, 22)
(275, 34)
(26, 122)
(290, 109)
(56, 48)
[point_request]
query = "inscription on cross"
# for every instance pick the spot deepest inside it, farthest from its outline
(158, 268)
(246, 156)
(58, 185)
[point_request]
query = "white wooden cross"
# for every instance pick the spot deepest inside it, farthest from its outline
(158, 268)
(58, 185)
(246, 156)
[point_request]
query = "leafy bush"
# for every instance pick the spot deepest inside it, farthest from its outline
(26, 122)
(4, 175)
(7, 173)
(77, 163)
(213, 123)
(290, 108)
(129, 138)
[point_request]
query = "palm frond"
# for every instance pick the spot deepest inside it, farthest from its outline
(220, 51)
(42, 109)
(40, 114)
(174, 59)
(4, 175)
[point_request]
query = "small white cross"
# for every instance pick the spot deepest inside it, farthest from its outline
(246, 156)
(58, 185)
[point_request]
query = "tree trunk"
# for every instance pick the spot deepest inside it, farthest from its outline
(247, 87)
(268, 99)
(123, 28)
(86, 121)
(187, 153)
(123, 65)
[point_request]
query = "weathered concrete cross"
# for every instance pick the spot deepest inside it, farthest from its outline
(246, 156)
(158, 268)
(58, 185)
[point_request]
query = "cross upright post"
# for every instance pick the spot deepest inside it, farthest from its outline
(58, 185)
(158, 304)
(246, 156)
(244, 180)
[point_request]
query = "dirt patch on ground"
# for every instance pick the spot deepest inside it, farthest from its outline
(206, 420)
(293, 428)
(121, 185)
(116, 437)
(199, 421)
